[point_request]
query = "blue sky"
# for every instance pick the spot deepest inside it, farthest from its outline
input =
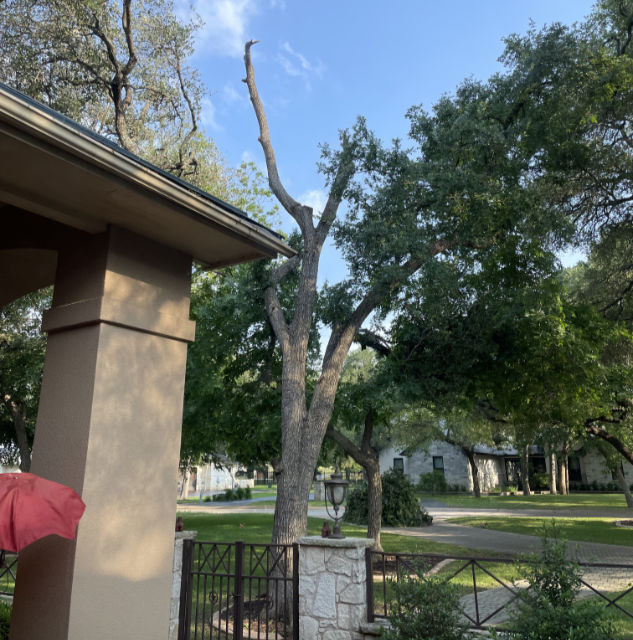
(321, 64)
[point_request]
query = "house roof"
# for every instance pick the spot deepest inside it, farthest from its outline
(80, 182)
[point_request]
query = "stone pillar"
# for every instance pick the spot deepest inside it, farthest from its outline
(332, 588)
(176, 581)
(109, 425)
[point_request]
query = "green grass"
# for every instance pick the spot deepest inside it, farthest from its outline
(572, 501)
(256, 528)
(578, 529)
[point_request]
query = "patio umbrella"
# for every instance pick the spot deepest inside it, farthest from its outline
(32, 508)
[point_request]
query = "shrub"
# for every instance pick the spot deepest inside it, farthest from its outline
(540, 481)
(425, 609)
(5, 619)
(434, 482)
(400, 506)
(548, 608)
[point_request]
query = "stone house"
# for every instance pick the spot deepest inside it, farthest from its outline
(498, 467)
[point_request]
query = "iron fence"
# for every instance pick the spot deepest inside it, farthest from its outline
(490, 588)
(8, 570)
(238, 591)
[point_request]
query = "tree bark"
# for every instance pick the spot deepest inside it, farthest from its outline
(564, 470)
(470, 454)
(615, 466)
(593, 429)
(366, 456)
(551, 455)
(525, 470)
(624, 485)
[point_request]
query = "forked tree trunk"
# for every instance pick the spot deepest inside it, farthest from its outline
(470, 454)
(525, 470)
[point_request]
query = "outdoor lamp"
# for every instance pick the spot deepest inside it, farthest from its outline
(335, 492)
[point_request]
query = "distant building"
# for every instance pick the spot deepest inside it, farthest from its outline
(498, 467)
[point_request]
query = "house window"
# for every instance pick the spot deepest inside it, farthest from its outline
(574, 469)
(512, 470)
(438, 464)
(398, 464)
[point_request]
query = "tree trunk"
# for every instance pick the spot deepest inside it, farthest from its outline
(470, 454)
(551, 455)
(615, 466)
(184, 486)
(374, 505)
(564, 471)
(525, 470)
(366, 456)
(593, 429)
(624, 485)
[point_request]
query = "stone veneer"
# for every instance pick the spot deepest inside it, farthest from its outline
(332, 588)
(176, 581)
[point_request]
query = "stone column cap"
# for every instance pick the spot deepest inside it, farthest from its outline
(344, 543)
(186, 535)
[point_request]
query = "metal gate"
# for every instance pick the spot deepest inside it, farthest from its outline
(238, 591)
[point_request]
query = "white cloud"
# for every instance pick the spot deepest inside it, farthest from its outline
(231, 96)
(207, 116)
(297, 65)
(315, 198)
(225, 24)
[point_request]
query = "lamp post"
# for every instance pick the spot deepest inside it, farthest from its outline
(335, 492)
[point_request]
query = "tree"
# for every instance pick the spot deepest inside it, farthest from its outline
(406, 214)
(363, 399)
(22, 348)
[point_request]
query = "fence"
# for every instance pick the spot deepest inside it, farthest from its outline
(8, 569)
(490, 587)
(238, 591)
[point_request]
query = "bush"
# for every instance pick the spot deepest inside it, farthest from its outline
(425, 609)
(540, 481)
(230, 495)
(433, 482)
(548, 608)
(5, 619)
(400, 506)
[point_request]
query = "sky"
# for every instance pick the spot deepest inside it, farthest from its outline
(319, 65)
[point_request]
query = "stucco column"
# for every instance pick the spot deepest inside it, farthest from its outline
(109, 426)
(332, 588)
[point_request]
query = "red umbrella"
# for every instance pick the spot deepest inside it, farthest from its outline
(32, 507)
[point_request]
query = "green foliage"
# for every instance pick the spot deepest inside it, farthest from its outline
(425, 609)
(400, 505)
(22, 348)
(549, 608)
(5, 620)
(230, 495)
(433, 482)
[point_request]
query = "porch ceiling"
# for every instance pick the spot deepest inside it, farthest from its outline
(76, 182)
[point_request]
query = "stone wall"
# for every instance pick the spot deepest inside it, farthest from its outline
(174, 608)
(332, 588)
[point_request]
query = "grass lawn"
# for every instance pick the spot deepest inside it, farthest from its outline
(578, 529)
(257, 528)
(573, 501)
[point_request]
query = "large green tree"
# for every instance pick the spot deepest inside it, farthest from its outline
(22, 347)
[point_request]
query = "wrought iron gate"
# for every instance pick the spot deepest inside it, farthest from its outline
(239, 591)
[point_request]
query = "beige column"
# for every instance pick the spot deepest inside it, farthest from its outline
(109, 426)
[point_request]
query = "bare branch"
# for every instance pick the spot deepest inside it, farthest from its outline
(302, 214)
